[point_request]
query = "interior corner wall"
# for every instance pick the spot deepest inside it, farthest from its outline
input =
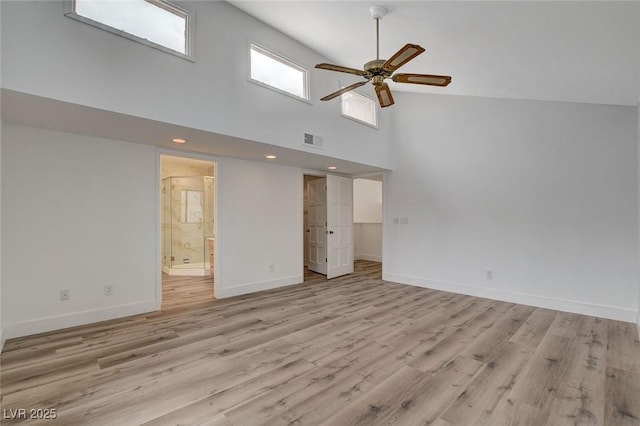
(78, 213)
(544, 195)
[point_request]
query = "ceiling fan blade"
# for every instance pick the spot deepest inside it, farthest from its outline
(402, 56)
(429, 80)
(331, 67)
(344, 90)
(384, 95)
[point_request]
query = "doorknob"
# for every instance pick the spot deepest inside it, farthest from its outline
(328, 232)
(308, 230)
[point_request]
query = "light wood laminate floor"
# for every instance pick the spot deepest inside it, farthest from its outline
(351, 351)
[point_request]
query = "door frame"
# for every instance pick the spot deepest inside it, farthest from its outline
(216, 209)
(382, 176)
(303, 173)
(319, 265)
(320, 174)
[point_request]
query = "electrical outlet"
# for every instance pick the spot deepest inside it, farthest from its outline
(489, 275)
(396, 221)
(108, 290)
(64, 294)
(404, 221)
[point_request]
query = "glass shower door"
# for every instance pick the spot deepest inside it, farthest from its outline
(187, 224)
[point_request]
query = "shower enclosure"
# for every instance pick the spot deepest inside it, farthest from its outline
(187, 224)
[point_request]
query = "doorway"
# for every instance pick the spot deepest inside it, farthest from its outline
(367, 218)
(187, 217)
(328, 225)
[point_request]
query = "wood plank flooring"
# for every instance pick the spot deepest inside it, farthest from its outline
(351, 351)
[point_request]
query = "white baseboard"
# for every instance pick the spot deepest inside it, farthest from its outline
(638, 323)
(186, 272)
(368, 257)
(57, 322)
(583, 308)
(258, 286)
(2, 339)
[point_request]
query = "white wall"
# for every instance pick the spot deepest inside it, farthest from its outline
(542, 194)
(367, 201)
(80, 210)
(259, 226)
(367, 217)
(50, 55)
(367, 241)
(78, 213)
(81, 213)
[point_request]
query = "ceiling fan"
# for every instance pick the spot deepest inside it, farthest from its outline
(379, 69)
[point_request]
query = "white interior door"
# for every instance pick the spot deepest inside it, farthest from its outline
(317, 193)
(339, 226)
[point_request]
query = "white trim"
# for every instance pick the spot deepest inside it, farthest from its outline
(259, 286)
(368, 257)
(357, 120)
(174, 272)
(283, 60)
(583, 308)
(158, 234)
(2, 339)
(58, 322)
(638, 323)
(69, 11)
(216, 182)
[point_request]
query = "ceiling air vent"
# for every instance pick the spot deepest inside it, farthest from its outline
(311, 140)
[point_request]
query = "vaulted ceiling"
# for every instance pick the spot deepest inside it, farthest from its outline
(574, 51)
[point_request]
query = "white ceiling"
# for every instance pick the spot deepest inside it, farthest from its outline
(573, 51)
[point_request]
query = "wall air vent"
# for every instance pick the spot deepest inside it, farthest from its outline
(312, 140)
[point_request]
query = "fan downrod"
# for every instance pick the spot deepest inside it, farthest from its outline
(377, 12)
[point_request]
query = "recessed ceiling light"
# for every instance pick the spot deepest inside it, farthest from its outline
(179, 140)
(270, 157)
(332, 167)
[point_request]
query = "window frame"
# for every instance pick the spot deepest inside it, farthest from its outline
(70, 12)
(283, 60)
(357, 120)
